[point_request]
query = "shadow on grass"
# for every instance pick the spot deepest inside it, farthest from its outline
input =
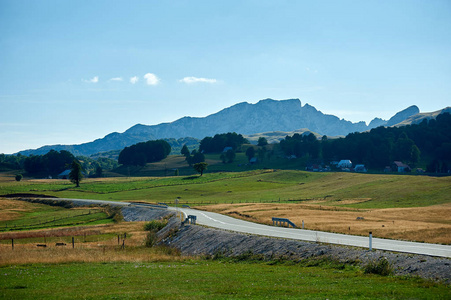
(191, 177)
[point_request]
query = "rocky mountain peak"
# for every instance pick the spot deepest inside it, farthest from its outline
(402, 115)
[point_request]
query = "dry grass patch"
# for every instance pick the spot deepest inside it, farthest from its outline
(423, 224)
(134, 228)
(101, 253)
(108, 250)
(10, 209)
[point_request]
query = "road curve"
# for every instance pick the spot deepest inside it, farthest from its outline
(216, 220)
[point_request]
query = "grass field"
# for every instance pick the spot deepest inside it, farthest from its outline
(97, 243)
(204, 279)
(339, 189)
(21, 215)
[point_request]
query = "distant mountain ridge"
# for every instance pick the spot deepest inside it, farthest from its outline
(265, 116)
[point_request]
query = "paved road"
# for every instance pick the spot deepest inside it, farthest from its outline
(228, 223)
(224, 222)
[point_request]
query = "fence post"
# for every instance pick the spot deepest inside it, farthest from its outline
(371, 241)
(73, 243)
(12, 243)
(302, 224)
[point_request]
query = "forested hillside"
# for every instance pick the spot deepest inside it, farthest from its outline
(429, 141)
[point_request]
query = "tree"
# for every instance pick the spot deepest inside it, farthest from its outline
(76, 174)
(250, 153)
(230, 155)
(223, 158)
(195, 158)
(262, 141)
(185, 151)
(261, 154)
(99, 171)
(200, 167)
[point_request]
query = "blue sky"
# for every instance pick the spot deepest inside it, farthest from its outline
(74, 71)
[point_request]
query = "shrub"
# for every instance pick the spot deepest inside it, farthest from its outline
(19, 177)
(155, 225)
(381, 267)
(114, 212)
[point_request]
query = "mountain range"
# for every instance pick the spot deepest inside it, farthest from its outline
(265, 116)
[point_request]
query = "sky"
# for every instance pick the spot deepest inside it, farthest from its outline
(75, 71)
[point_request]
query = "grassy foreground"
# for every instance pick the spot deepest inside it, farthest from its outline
(205, 279)
(100, 268)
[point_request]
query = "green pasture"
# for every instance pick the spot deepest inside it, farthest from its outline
(377, 190)
(167, 166)
(206, 279)
(45, 216)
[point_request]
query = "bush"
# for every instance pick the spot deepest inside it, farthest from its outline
(381, 267)
(155, 225)
(114, 212)
(19, 177)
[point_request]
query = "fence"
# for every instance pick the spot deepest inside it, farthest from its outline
(187, 202)
(63, 241)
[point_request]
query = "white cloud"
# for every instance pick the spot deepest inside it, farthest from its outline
(311, 70)
(95, 79)
(116, 79)
(151, 79)
(134, 79)
(192, 79)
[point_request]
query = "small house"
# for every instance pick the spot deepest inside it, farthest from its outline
(400, 167)
(64, 174)
(344, 163)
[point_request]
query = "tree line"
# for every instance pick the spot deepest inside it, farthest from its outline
(218, 142)
(429, 141)
(54, 162)
(146, 152)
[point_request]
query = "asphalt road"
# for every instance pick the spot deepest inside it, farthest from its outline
(228, 223)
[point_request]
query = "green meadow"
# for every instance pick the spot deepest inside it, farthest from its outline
(41, 216)
(207, 279)
(265, 186)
